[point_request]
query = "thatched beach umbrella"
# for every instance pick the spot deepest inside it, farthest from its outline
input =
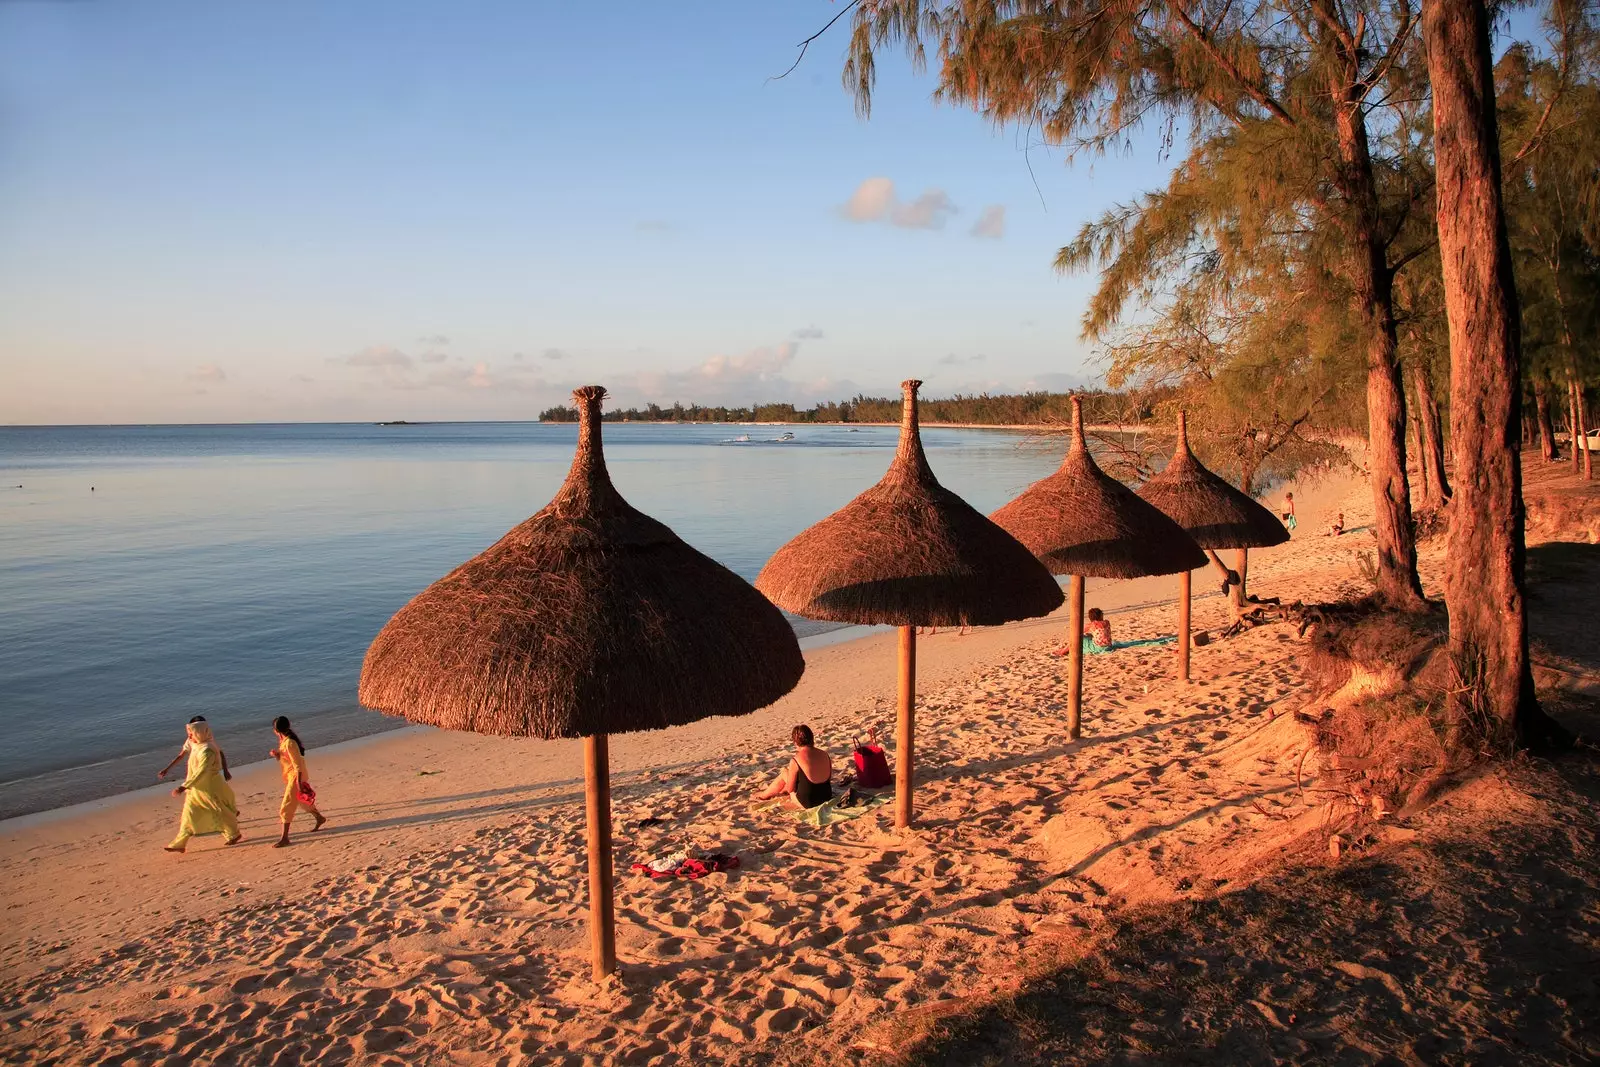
(586, 620)
(1214, 513)
(1082, 522)
(910, 553)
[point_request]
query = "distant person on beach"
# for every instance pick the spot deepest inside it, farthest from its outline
(1288, 512)
(208, 803)
(297, 793)
(808, 777)
(1337, 528)
(1097, 631)
(1097, 637)
(183, 753)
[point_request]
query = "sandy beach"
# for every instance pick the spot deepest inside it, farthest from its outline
(440, 917)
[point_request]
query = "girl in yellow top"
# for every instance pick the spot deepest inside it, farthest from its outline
(208, 804)
(291, 757)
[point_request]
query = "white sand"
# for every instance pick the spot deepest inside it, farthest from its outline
(441, 917)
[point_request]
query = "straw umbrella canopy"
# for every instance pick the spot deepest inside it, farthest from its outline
(1082, 522)
(588, 619)
(1214, 513)
(910, 553)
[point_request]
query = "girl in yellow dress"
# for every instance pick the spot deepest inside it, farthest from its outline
(208, 804)
(291, 757)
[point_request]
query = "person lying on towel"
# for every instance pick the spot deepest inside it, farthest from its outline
(808, 777)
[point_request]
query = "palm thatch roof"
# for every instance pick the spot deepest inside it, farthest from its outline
(909, 552)
(1213, 512)
(1080, 520)
(588, 618)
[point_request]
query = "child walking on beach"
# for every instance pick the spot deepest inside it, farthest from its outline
(1289, 521)
(297, 792)
(208, 804)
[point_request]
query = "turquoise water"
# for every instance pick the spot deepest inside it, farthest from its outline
(151, 573)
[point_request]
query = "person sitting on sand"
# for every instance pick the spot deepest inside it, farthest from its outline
(808, 778)
(1097, 631)
(291, 757)
(1337, 528)
(208, 804)
(183, 753)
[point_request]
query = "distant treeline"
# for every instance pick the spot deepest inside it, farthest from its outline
(1015, 409)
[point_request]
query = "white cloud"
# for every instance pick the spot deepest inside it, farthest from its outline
(992, 223)
(208, 374)
(953, 360)
(927, 212)
(875, 201)
(807, 333)
(871, 201)
(433, 340)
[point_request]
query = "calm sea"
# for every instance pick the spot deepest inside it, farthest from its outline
(151, 573)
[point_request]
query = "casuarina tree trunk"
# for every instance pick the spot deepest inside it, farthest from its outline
(1547, 433)
(1484, 569)
(1583, 431)
(1438, 485)
(1416, 449)
(1372, 283)
(1572, 422)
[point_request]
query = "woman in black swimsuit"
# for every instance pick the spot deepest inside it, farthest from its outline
(808, 777)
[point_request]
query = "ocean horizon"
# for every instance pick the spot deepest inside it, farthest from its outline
(151, 572)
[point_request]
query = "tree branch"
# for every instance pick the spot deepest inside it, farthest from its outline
(805, 44)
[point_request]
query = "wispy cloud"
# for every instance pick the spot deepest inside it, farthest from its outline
(807, 333)
(433, 340)
(434, 357)
(208, 374)
(992, 223)
(653, 226)
(953, 360)
(552, 354)
(376, 356)
(875, 200)
(927, 212)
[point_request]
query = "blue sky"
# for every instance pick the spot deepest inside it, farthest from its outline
(427, 210)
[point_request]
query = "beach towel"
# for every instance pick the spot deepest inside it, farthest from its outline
(840, 809)
(1090, 648)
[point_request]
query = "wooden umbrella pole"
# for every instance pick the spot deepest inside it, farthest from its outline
(1183, 625)
(1243, 561)
(905, 726)
(597, 795)
(1075, 656)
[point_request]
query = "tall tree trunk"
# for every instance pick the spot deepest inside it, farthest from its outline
(1484, 569)
(1547, 433)
(1583, 432)
(1572, 421)
(1437, 493)
(1416, 447)
(1373, 286)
